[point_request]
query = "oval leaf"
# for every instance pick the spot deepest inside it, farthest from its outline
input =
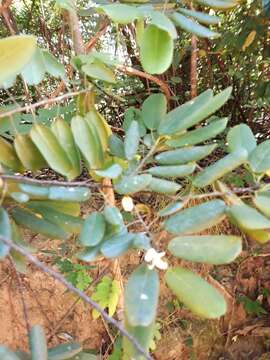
(162, 186)
(199, 135)
(132, 184)
(172, 171)
(210, 249)
(199, 296)
(213, 172)
(186, 155)
(241, 136)
(194, 111)
(141, 296)
(196, 218)
(193, 27)
(132, 139)
(260, 157)
(154, 110)
(15, 53)
(248, 218)
(93, 229)
(37, 342)
(156, 50)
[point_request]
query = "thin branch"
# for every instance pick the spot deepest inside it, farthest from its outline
(38, 182)
(78, 292)
(134, 72)
(43, 102)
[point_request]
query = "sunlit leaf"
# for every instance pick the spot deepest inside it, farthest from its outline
(199, 296)
(185, 155)
(199, 135)
(154, 110)
(215, 171)
(141, 296)
(196, 218)
(241, 136)
(193, 27)
(15, 53)
(156, 50)
(211, 249)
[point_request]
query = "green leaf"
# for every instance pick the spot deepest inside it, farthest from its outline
(134, 114)
(51, 150)
(93, 229)
(143, 334)
(199, 135)
(132, 139)
(141, 241)
(67, 207)
(161, 21)
(64, 193)
(8, 156)
(186, 155)
(63, 133)
(89, 254)
(172, 171)
(15, 53)
(112, 172)
(215, 171)
(200, 297)
(38, 224)
(132, 184)
(218, 4)
(121, 13)
(193, 27)
(193, 111)
(88, 142)
(201, 17)
(106, 294)
(99, 71)
(141, 296)
(162, 186)
(156, 50)
(262, 202)
(171, 208)
(241, 136)
(197, 218)
(68, 223)
(260, 157)
(113, 215)
(52, 66)
(116, 146)
(154, 110)
(35, 190)
(6, 354)
(37, 343)
(5, 231)
(210, 249)
(28, 153)
(248, 218)
(64, 351)
(35, 70)
(116, 245)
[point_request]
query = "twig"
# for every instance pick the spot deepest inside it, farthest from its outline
(134, 72)
(78, 292)
(43, 102)
(38, 182)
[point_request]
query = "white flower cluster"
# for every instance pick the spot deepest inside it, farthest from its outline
(154, 259)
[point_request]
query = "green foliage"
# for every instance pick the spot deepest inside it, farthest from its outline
(76, 274)
(106, 294)
(252, 307)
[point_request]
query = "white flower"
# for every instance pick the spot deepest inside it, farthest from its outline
(154, 259)
(127, 203)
